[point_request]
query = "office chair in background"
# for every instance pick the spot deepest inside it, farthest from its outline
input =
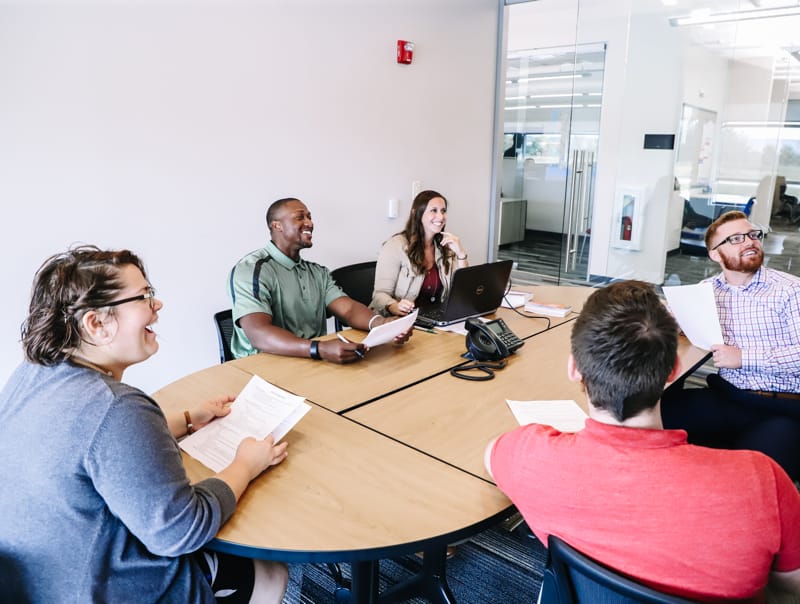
(357, 281)
(573, 578)
(224, 322)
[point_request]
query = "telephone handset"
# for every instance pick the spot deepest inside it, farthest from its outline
(490, 341)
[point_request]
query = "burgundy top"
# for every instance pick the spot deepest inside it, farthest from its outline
(430, 293)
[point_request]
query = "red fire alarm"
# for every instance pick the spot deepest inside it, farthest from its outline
(405, 52)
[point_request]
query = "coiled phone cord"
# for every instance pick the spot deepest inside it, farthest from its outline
(485, 367)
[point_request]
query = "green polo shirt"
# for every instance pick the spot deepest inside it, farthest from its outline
(295, 294)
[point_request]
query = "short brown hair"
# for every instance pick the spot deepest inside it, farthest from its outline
(723, 218)
(65, 287)
(624, 343)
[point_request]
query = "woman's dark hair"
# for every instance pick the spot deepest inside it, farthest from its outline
(415, 236)
(65, 287)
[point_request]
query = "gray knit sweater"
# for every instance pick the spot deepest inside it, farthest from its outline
(96, 505)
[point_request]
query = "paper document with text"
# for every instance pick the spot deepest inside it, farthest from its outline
(565, 416)
(386, 332)
(695, 310)
(260, 409)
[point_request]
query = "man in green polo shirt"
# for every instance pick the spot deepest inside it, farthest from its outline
(281, 302)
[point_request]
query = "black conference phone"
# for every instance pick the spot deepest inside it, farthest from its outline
(490, 341)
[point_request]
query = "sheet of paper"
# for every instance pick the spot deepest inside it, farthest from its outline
(565, 416)
(515, 299)
(696, 312)
(259, 410)
(386, 332)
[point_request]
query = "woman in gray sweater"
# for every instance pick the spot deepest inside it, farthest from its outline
(97, 506)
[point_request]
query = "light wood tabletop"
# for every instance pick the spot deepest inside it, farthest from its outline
(344, 492)
(392, 367)
(525, 324)
(453, 419)
(385, 369)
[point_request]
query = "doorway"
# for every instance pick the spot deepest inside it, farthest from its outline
(551, 122)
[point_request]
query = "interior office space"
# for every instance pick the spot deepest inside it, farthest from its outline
(621, 119)
(168, 127)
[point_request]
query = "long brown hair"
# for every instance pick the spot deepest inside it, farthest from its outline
(415, 235)
(65, 287)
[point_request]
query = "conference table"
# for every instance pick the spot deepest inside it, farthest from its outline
(388, 461)
(451, 419)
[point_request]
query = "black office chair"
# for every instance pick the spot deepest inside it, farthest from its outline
(224, 322)
(357, 281)
(573, 578)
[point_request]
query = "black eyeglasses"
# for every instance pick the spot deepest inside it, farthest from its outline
(150, 296)
(738, 238)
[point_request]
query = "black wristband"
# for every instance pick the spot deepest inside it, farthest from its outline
(314, 350)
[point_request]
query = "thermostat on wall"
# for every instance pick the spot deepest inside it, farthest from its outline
(659, 141)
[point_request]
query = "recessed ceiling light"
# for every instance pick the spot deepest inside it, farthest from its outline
(706, 17)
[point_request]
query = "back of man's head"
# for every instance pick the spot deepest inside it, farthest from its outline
(624, 344)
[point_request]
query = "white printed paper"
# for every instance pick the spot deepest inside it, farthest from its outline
(259, 410)
(386, 332)
(695, 310)
(565, 416)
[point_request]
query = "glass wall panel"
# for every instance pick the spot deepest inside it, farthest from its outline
(587, 82)
(552, 104)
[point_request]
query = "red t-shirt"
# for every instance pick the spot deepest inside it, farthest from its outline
(701, 523)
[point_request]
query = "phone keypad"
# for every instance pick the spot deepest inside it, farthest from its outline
(508, 337)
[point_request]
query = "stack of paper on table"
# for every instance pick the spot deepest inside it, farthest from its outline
(515, 299)
(551, 310)
(565, 416)
(259, 410)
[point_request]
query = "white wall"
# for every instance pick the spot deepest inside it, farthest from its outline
(651, 103)
(168, 127)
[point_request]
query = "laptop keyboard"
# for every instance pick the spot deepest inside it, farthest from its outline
(424, 322)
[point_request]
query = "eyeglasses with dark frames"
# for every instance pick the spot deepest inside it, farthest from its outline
(150, 296)
(737, 238)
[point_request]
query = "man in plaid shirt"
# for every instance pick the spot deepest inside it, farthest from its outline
(754, 400)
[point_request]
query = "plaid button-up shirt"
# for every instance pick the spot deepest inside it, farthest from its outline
(762, 319)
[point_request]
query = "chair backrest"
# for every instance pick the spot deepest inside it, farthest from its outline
(573, 578)
(357, 281)
(748, 207)
(224, 322)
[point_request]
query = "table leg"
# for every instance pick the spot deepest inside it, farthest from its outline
(364, 582)
(431, 583)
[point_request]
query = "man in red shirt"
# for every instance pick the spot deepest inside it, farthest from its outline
(701, 523)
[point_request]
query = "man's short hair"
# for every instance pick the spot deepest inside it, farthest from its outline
(625, 344)
(723, 218)
(275, 207)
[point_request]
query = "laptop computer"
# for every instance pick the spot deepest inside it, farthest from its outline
(475, 291)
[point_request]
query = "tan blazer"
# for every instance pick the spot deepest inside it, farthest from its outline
(395, 278)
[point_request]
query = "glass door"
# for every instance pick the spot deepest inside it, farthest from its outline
(551, 129)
